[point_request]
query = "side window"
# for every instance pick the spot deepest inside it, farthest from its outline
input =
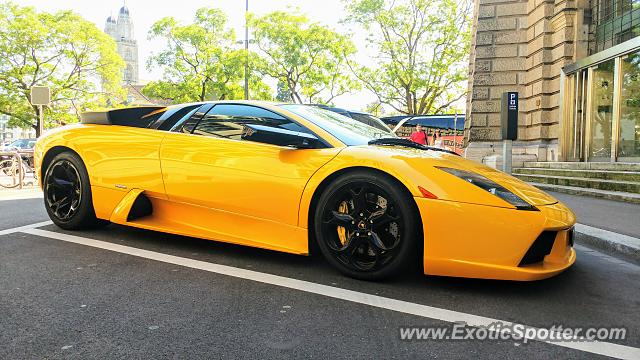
(362, 118)
(173, 116)
(187, 125)
(228, 120)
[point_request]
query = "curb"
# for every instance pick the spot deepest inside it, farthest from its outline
(609, 242)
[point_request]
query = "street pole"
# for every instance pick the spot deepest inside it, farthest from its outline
(41, 120)
(246, 50)
(506, 156)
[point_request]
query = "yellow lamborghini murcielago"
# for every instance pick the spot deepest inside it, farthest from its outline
(292, 177)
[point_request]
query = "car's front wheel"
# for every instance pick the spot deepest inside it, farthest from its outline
(67, 193)
(366, 227)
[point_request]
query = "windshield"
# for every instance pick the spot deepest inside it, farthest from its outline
(349, 131)
(371, 120)
(19, 143)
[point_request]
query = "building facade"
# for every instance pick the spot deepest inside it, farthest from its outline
(8, 134)
(576, 66)
(121, 30)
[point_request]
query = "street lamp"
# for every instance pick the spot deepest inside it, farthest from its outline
(246, 43)
(246, 50)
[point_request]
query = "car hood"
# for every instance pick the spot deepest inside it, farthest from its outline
(406, 162)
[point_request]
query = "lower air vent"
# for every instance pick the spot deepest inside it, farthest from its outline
(140, 208)
(540, 248)
(570, 236)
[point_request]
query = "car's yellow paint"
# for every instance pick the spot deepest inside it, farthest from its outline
(214, 224)
(261, 195)
(218, 173)
(121, 211)
(113, 155)
(489, 242)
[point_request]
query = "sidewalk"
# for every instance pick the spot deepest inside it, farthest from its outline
(28, 192)
(609, 226)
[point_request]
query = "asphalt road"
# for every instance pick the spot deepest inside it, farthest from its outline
(68, 300)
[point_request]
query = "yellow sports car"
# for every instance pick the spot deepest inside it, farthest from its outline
(290, 177)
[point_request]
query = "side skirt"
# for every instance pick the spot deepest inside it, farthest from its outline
(201, 222)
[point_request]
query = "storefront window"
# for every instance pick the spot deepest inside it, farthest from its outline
(601, 122)
(629, 136)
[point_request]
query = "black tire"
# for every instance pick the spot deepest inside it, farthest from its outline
(67, 193)
(366, 225)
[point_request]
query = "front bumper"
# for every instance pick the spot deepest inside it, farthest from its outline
(478, 241)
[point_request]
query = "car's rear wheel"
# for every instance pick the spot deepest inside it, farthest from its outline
(67, 193)
(366, 227)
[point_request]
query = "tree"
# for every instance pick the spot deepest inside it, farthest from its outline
(283, 93)
(63, 51)
(306, 57)
(199, 61)
(422, 48)
(375, 108)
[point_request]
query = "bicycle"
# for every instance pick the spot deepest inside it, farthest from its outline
(14, 171)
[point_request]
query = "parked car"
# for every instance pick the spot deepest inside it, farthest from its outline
(448, 127)
(361, 116)
(20, 144)
(445, 121)
(289, 176)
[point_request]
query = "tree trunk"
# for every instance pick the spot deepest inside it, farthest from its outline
(408, 100)
(203, 91)
(37, 125)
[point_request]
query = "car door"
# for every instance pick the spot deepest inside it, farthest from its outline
(205, 162)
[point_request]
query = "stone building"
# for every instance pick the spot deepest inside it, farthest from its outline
(576, 66)
(121, 30)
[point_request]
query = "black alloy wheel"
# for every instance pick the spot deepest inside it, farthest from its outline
(63, 190)
(67, 193)
(366, 226)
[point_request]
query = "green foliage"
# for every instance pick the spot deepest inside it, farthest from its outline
(199, 61)
(422, 48)
(283, 94)
(63, 51)
(375, 108)
(307, 58)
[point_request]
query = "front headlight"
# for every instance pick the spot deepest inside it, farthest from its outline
(490, 186)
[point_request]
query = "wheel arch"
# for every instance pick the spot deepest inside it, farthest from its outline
(327, 180)
(50, 155)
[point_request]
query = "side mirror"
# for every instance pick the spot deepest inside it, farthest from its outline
(279, 136)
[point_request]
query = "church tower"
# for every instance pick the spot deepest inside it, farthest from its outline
(121, 30)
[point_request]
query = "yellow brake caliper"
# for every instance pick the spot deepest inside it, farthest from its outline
(342, 232)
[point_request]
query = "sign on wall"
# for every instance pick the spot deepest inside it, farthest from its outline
(509, 115)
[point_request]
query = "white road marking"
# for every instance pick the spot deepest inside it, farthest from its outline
(595, 347)
(25, 227)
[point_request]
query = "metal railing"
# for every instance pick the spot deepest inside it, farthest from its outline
(14, 168)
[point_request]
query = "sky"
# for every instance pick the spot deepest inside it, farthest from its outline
(145, 12)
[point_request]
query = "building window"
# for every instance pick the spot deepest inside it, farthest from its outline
(614, 21)
(629, 129)
(128, 73)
